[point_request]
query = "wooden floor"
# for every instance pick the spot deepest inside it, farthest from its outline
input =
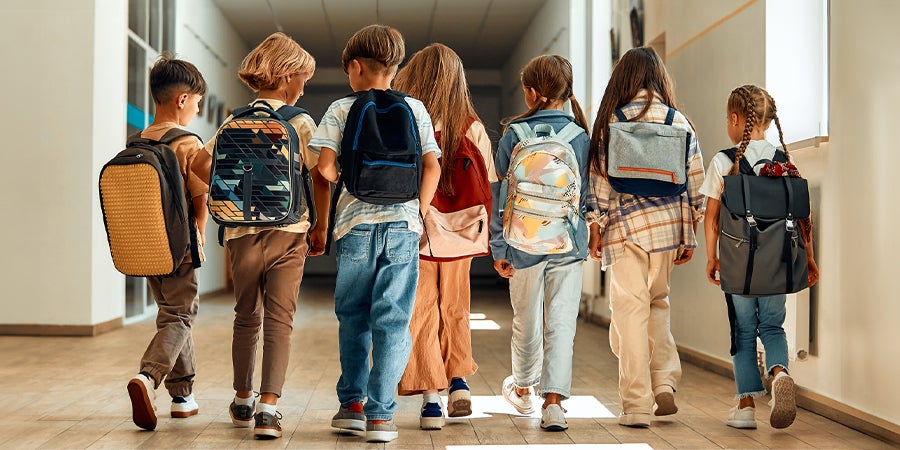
(70, 393)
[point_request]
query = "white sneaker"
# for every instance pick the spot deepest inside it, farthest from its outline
(142, 393)
(553, 419)
(522, 404)
(742, 418)
(634, 420)
(184, 407)
(784, 406)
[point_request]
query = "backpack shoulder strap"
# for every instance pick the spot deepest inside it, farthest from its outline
(136, 138)
(175, 133)
(745, 166)
(569, 132)
(621, 116)
(288, 112)
(780, 156)
(522, 130)
(670, 116)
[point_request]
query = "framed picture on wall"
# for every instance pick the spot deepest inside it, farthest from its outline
(211, 109)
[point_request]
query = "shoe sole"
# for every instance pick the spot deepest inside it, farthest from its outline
(349, 424)
(554, 427)
(141, 407)
(665, 404)
(431, 423)
(266, 433)
(742, 424)
(460, 408)
(185, 414)
(785, 409)
(381, 436)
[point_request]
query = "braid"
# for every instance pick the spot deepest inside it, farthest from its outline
(750, 113)
(778, 124)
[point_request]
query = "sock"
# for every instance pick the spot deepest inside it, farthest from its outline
(244, 401)
(266, 408)
(431, 398)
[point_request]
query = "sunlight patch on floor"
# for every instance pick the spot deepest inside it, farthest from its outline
(553, 447)
(577, 407)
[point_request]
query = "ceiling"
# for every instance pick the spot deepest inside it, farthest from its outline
(483, 32)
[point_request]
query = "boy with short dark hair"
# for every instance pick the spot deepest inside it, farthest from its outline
(177, 87)
(377, 248)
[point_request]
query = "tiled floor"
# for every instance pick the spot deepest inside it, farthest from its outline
(70, 393)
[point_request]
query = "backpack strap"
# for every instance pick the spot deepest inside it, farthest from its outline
(744, 166)
(569, 132)
(522, 130)
(175, 133)
(288, 112)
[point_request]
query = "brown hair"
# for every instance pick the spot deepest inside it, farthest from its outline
(551, 77)
(757, 107)
(435, 75)
(273, 59)
(639, 69)
(380, 47)
(170, 77)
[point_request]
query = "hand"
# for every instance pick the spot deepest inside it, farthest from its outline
(813, 272)
(595, 251)
(504, 268)
(684, 257)
(712, 269)
(201, 236)
(317, 238)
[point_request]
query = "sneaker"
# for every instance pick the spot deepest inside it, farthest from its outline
(242, 415)
(350, 418)
(784, 407)
(460, 401)
(522, 404)
(432, 417)
(381, 431)
(634, 420)
(742, 418)
(553, 419)
(665, 404)
(267, 426)
(142, 391)
(184, 407)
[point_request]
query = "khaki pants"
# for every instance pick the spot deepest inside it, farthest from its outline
(442, 341)
(170, 355)
(268, 268)
(639, 334)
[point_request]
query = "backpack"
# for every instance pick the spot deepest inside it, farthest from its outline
(542, 190)
(760, 248)
(149, 223)
(647, 159)
(456, 226)
(258, 177)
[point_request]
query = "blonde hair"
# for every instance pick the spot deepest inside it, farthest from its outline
(551, 77)
(380, 47)
(435, 75)
(273, 59)
(757, 107)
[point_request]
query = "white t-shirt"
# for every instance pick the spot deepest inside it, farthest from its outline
(478, 135)
(720, 165)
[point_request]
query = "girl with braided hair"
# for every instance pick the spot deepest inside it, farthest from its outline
(751, 110)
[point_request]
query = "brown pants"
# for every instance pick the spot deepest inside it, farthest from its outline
(170, 355)
(268, 268)
(442, 342)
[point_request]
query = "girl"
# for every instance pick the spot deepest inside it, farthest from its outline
(442, 344)
(267, 262)
(751, 111)
(545, 290)
(641, 239)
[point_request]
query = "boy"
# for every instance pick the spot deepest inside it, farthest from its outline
(177, 87)
(377, 250)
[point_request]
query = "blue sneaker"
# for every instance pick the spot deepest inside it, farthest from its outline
(460, 402)
(432, 417)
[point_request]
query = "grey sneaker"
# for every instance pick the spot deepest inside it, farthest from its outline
(350, 418)
(381, 431)
(242, 415)
(553, 419)
(522, 404)
(267, 426)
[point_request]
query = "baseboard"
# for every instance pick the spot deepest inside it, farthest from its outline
(60, 330)
(806, 399)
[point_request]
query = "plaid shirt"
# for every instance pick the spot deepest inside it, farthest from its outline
(656, 224)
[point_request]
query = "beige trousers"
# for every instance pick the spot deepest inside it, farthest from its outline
(268, 268)
(441, 339)
(639, 333)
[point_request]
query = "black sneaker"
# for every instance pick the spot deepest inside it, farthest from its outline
(267, 426)
(242, 415)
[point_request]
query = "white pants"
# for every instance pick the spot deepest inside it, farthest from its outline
(639, 334)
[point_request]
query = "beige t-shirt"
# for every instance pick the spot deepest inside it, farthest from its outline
(186, 149)
(305, 126)
(478, 135)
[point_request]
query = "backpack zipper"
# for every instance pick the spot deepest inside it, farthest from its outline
(740, 241)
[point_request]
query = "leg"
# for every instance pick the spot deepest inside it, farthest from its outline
(176, 296)
(771, 332)
(562, 296)
(425, 369)
(455, 335)
(665, 366)
(526, 293)
(247, 265)
(393, 295)
(746, 372)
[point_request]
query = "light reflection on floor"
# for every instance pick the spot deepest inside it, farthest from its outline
(479, 321)
(553, 447)
(577, 407)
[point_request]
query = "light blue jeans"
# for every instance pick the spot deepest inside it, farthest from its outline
(378, 267)
(763, 317)
(545, 299)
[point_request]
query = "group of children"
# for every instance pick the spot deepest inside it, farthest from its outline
(387, 301)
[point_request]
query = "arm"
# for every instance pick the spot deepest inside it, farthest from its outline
(322, 197)
(326, 166)
(202, 165)
(431, 174)
(201, 214)
(711, 227)
(499, 247)
(813, 268)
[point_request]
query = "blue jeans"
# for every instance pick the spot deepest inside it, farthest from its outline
(545, 299)
(763, 317)
(378, 267)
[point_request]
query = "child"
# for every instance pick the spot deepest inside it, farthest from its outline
(377, 249)
(442, 342)
(545, 290)
(751, 111)
(267, 262)
(641, 239)
(177, 87)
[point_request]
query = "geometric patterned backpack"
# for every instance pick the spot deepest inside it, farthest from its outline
(258, 177)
